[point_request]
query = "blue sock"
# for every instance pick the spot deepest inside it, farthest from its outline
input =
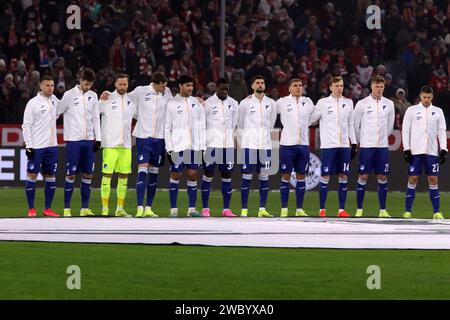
(300, 193)
(226, 192)
(206, 189)
(49, 192)
(85, 192)
(284, 193)
(382, 194)
(30, 191)
(263, 190)
(68, 191)
(360, 193)
(192, 193)
(173, 192)
(140, 185)
(323, 191)
(245, 189)
(434, 197)
(151, 188)
(342, 193)
(410, 195)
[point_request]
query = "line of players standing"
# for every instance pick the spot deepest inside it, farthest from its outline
(199, 134)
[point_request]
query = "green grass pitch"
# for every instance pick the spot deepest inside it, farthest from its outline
(109, 271)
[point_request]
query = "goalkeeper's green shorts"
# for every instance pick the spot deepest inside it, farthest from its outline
(116, 159)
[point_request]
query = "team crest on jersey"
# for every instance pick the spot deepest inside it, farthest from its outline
(267, 106)
(313, 173)
(303, 104)
(384, 107)
(343, 106)
(229, 107)
(89, 98)
(193, 105)
(419, 117)
(128, 103)
(433, 113)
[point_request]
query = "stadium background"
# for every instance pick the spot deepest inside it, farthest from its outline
(280, 39)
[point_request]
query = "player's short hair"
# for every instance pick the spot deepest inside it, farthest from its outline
(377, 79)
(185, 78)
(121, 76)
(335, 80)
(427, 89)
(159, 77)
(293, 80)
(222, 81)
(87, 75)
(257, 77)
(46, 77)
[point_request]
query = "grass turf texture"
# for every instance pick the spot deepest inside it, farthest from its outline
(38, 271)
(13, 203)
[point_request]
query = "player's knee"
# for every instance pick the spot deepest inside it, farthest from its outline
(123, 176)
(286, 176)
(107, 175)
(225, 175)
(325, 179)
(342, 178)
(208, 173)
(382, 179)
(175, 176)
(153, 170)
(32, 176)
(192, 175)
(412, 180)
(363, 177)
(87, 176)
(300, 176)
(432, 180)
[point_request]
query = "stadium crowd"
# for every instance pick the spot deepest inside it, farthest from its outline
(279, 39)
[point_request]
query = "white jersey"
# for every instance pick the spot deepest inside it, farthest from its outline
(256, 120)
(81, 115)
(336, 122)
(185, 124)
(221, 120)
(374, 122)
(295, 115)
(117, 113)
(39, 122)
(151, 111)
(422, 128)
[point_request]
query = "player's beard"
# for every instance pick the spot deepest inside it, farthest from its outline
(121, 91)
(259, 90)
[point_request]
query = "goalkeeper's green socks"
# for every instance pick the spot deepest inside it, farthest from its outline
(122, 185)
(105, 191)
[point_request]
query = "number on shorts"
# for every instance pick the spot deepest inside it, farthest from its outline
(267, 165)
(435, 167)
(386, 167)
(346, 167)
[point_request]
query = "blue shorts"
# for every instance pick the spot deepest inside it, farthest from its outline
(187, 159)
(150, 150)
(224, 158)
(335, 160)
(421, 161)
(45, 161)
(256, 158)
(294, 157)
(80, 157)
(374, 160)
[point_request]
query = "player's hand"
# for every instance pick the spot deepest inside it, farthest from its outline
(30, 153)
(353, 151)
(96, 146)
(408, 156)
(104, 95)
(442, 156)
